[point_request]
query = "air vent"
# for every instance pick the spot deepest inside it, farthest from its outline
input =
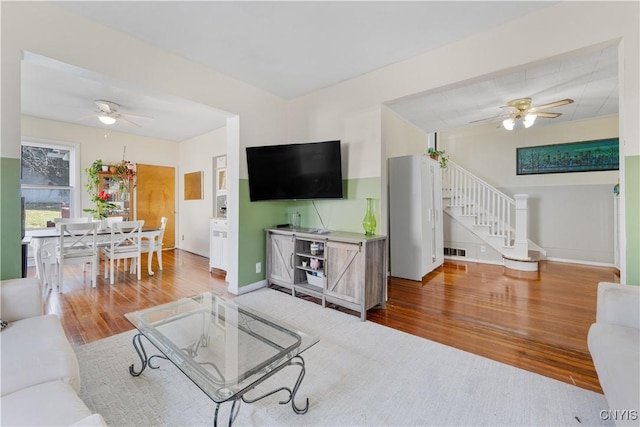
(455, 252)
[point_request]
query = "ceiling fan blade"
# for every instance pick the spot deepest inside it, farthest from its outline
(121, 117)
(487, 119)
(551, 105)
(103, 107)
(136, 116)
(548, 115)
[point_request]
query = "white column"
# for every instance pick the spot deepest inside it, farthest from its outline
(521, 244)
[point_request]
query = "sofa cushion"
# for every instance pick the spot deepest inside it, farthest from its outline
(48, 404)
(615, 351)
(35, 351)
(20, 298)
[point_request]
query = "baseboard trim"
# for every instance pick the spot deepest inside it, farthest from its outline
(568, 261)
(573, 261)
(479, 261)
(251, 287)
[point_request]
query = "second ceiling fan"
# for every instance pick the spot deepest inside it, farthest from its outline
(108, 113)
(521, 109)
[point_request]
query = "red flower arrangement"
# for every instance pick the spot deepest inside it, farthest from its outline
(101, 199)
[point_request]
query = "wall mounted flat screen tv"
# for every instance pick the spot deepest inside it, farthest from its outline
(295, 171)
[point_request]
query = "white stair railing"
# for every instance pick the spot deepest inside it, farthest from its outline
(487, 206)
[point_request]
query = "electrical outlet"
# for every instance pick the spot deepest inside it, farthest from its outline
(258, 267)
(183, 237)
(483, 248)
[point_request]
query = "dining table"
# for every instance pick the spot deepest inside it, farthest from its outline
(50, 236)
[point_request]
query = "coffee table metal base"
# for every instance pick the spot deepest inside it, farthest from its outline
(145, 361)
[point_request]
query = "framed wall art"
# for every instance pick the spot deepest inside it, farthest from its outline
(583, 156)
(193, 186)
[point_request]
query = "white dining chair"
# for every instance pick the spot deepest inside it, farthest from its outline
(112, 219)
(77, 244)
(76, 220)
(153, 245)
(44, 258)
(124, 244)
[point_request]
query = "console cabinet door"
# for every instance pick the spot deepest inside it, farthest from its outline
(279, 261)
(345, 271)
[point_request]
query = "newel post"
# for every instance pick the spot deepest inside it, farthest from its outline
(521, 243)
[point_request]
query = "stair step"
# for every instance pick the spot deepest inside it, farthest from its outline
(520, 264)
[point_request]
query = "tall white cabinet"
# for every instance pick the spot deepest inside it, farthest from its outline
(415, 216)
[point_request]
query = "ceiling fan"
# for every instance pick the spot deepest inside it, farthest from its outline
(521, 109)
(108, 113)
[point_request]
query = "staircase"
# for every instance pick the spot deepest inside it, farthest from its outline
(499, 220)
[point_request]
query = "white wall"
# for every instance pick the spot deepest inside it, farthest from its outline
(46, 29)
(49, 30)
(196, 154)
(570, 214)
(401, 137)
(93, 146)
(560, 29)
(490, 152)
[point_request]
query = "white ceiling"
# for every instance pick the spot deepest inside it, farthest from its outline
(293, 48)
(589, 78)
(57, 91)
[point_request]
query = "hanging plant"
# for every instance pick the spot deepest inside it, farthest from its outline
(439, 156)
(100, 198)
(94, 179)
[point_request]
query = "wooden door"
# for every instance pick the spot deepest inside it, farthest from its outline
(156, 197)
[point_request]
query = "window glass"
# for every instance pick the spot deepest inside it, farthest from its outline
(43, 205)
(46, 184)
(45, 166)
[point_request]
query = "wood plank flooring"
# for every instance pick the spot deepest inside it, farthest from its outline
(535, 321)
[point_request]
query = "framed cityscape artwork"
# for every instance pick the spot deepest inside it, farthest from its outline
(583, 156)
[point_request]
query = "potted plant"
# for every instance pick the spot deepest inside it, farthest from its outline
(92, 171)
(438, 155)
(103, 205)
(100, 198)
(125, 170)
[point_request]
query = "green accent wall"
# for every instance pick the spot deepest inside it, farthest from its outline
(632, 213)
(10, 219)
(255, 217)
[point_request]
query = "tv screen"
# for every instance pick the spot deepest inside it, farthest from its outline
(295, 171)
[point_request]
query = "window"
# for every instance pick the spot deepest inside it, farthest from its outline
(47, 183)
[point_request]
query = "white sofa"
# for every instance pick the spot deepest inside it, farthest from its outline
(614, 344)
(40, 377)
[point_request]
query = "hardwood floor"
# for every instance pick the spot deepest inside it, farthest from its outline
(90, 314)
(535, 321)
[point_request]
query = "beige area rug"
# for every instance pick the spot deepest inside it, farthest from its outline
(359, 374)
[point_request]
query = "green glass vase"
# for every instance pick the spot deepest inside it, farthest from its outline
(369, 221)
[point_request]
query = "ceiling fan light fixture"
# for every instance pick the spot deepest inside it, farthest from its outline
(107, 120)
(529, 120)
(509, 123)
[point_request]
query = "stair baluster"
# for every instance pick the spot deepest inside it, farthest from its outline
(481, 205)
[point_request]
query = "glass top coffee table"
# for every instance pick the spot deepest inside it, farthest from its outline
(225, 348)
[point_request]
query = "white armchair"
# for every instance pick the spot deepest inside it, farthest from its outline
(40, 374)
(614, 344)
(20, 299)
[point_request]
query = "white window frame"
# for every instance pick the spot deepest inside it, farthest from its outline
(75, 182)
